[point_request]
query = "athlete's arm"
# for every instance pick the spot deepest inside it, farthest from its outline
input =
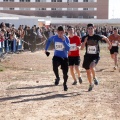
(48, 43)
(66, 43)
(83, 43)
(119, 41)
(79, 43)
(107, 41)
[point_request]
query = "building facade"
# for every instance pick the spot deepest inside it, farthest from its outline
(83, 9)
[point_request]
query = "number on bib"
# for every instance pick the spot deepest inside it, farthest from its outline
(91, 50)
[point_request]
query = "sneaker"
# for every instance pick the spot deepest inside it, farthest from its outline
(80, 80)
(57, 81)
(74, 83)
(115, 68)
(65, 88)
(90, 87)
(96, 81)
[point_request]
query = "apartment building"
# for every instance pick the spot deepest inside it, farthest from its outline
(83, 9)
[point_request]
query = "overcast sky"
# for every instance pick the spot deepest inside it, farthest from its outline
(114, 9)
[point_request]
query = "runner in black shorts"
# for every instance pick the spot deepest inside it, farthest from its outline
(115, 41)
(91, 57)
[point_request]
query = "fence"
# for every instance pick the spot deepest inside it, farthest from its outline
(10, 46)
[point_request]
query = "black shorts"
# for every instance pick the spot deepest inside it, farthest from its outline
(88, 59)
(114, 49)
(74, 60)
(58, 61)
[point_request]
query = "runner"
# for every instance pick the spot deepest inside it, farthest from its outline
(74, 55)
(60, 58)
(91, 57)
(115, 41)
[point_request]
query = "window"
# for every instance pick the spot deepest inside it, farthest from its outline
(21, 0)
(8, 0)
(69, 9)
(26, 8)
(92, 17)
(92, 1)
(53, 8)
(5, 8)
(69, 0)
(21, 8)
(11, 8)
(59, 0)
(85, 8)
(53, 0)
(24, 0)
(40, 0)
(59, 9)
(80, 16)
(75, 9)
(64, 16)
(40, 9)
(43, 8)
(75, 0)
(85, 0)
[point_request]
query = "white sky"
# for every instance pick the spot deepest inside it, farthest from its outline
(114, 9)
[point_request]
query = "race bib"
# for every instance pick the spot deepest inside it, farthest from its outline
(73, 47)
(59, 46)
(0, 44)
(115, 43)
(92, 50)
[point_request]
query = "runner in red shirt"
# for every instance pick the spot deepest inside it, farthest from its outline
(74, 55)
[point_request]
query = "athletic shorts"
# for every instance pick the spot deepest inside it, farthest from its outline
(114, 49)
(58, 61)
(88, 59)
(74, 60)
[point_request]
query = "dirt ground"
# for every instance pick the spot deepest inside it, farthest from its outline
(27, 90)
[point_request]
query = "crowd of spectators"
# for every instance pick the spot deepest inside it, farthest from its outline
(14, 40)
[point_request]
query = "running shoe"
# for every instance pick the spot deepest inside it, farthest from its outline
(96, 81)
(90, 87)
(74, 83)
(115, 68)
(65, 88)
(80, 80)
(57, 81)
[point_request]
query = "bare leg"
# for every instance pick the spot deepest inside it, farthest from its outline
(89, 76)
(77, 70)
(116, 59)
(92, 68)
(72, 72)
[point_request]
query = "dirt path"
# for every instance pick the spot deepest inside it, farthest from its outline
(27, 91)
